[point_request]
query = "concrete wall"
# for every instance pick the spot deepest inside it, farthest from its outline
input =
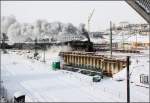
(108, 66)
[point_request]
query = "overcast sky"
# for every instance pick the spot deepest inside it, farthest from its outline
(75, 12)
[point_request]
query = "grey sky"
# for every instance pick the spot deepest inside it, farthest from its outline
(75, 12)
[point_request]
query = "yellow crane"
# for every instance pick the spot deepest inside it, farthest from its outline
(89, 19)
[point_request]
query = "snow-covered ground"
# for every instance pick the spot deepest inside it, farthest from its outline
(42, 84)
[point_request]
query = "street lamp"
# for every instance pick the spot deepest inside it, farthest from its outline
(44, 48)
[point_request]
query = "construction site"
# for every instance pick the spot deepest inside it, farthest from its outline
(60, 59)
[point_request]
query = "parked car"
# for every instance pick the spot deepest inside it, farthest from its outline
(97, 78)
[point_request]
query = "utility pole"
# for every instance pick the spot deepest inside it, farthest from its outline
(110, 39)
(35, 44)
(123, 41)
(35, 47)
(136, 42)
(128, 80)
(44, 51)
(130, 32)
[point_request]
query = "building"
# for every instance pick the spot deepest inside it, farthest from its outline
(123, 24)
(69, 37)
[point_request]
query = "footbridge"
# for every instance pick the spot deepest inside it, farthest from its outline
(142, 7)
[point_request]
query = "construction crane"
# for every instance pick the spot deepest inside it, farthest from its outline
(89, 19)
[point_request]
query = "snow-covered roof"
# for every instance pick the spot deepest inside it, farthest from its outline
(129, 38)
(18, 94)
(98, 40)
(138, 38)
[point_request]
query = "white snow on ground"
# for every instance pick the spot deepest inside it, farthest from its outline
(40, 83)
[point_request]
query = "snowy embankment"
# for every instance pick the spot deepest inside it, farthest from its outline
(139, 65)
(40, 83)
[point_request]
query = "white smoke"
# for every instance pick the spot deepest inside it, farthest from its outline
(27, 31)
(59, 49)
(14, 32)
(55, 50)
(40, 29)
(6, 22)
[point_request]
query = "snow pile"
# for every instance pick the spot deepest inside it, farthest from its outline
(21, 32)
(120, 76)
